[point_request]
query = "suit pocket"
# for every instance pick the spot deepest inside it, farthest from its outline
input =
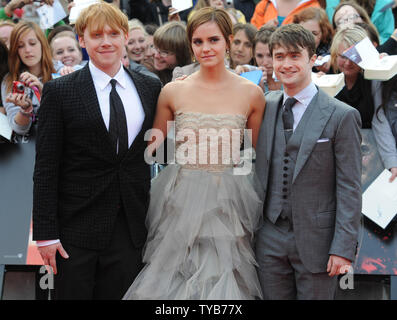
(326, 219)
(322, 146)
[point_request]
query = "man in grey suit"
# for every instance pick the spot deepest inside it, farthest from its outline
(309, 160)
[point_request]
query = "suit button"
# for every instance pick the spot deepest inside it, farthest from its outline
(285, 175)
(284, 197)
(285, 160)
(286, 154)
(285, 189)
(285, 182)
(285, 168)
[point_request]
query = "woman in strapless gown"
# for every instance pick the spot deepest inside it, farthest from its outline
(204, 209)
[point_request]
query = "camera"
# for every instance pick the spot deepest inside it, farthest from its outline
(18, 87)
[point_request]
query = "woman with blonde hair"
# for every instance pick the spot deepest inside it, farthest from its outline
(136, 44)
(30, 62)
(363, 94)
(203, 215)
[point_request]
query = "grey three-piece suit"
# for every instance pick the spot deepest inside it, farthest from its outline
(312, 196)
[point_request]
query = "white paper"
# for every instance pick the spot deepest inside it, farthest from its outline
(320, 62)
(50, 15)
(80, 5)
(5, 129)
(380, 200)
(327, 80)
(181, 5)
(363, 53)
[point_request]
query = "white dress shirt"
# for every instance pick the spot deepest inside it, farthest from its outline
(132, 107)
(304, 98)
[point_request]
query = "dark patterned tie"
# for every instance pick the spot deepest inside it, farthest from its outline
(117, 122)
(288, 118)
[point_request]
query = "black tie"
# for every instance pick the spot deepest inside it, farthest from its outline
(118, 122)
(288, 118)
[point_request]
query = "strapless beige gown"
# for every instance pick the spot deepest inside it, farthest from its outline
(201, 221)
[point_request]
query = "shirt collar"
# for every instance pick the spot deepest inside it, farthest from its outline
(304, 96)
(101, 79)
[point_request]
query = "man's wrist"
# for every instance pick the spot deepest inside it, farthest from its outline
(45, 243)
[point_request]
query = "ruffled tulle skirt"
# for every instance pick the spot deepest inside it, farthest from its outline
(201, 226)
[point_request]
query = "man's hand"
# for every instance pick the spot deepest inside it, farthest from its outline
(337, 265)
(48, 254)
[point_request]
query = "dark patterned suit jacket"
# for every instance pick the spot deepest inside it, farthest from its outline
(79, 181)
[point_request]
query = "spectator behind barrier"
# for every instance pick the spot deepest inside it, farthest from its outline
(241, 47)
(279, 12)
(136, 41)
(385, 99)
(66, 49)
(29, 62)
(6, 28)
(368, 10)
(3, 68)
(263, 60)
(357, 90)
(171, 49)
(316, 21)
(361, 93)
(148, 60)
(124, 59)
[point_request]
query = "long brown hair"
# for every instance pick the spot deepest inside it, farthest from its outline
(15, 64)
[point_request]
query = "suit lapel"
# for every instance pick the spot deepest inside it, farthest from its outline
(321, 113)
(90, 100)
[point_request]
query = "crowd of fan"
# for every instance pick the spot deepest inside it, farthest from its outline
(157, 45)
